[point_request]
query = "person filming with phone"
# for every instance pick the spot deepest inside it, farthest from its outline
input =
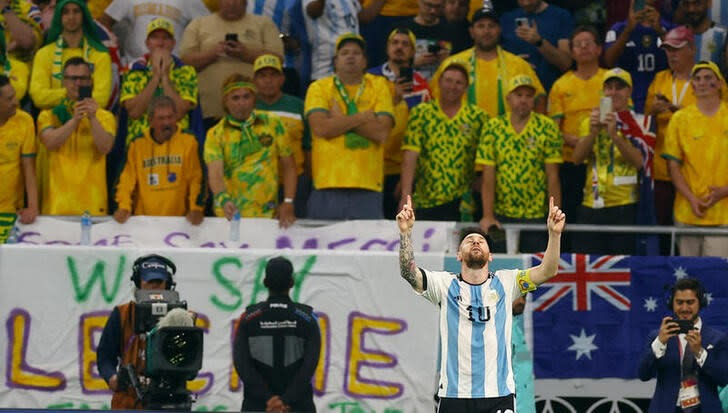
(617, 145)
(77, 134)
(688, 358)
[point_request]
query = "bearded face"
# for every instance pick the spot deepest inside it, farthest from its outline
(474, 251)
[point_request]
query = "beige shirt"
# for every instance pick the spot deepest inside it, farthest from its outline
(206, 32)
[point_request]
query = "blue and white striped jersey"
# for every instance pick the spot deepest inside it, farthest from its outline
(339, 17)
(475, 333)
(711, 45)
(719, 12)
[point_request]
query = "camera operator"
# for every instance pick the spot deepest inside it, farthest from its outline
(119, 344)
(689, 359)
(277, 347)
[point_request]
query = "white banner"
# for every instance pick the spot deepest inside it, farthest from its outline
(162, 232)
(380, 339)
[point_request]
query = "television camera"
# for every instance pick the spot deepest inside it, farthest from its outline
(173, 351)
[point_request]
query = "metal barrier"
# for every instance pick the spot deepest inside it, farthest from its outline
(513, 231)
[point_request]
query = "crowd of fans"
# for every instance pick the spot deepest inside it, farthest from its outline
(340, 109)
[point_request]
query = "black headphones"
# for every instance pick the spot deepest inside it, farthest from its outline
(688, 284)
(138, 265)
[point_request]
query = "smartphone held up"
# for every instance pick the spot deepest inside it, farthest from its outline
(605, 107)
(84, 92)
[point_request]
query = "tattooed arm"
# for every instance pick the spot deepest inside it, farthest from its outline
(408, 268)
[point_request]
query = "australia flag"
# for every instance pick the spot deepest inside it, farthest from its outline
(593, 319)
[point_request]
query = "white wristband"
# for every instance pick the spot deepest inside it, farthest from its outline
(287, 200)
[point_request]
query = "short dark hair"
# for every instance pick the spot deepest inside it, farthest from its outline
(457, 67)
(162, 101)
(278, 275)
(77, 61)
(585, 28)
(689, 283)
(476, 230)
(4, 80)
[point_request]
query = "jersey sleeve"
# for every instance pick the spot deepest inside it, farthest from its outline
(436, 284)
(383, 105)
(283, 141)
(107, 121)
(316, 99)
(612, 35)
(132, 84)
(516, 282)
(30, 147)
(553, 142)
(555, 107)
(486, 147)
(672, 149)
(185, 83)
(413, 136)
(213, 147)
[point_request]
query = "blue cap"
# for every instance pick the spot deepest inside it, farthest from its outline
(154, 269)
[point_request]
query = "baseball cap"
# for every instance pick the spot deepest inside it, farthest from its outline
(484, 13)
(350, 37)
(617, 73)
(518, 81)
(403, 30)
(679, 37)
(703, 64)
(160, 23)
(278, 274)
(154, 269)
(267, 60)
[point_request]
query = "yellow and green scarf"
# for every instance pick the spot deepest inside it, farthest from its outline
(351, 140)
(90, 38)
(501, 67)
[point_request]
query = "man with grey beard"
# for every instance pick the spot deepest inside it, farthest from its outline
(163, 168)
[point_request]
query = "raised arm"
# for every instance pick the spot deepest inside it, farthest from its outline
(407, 267)
(550, 264)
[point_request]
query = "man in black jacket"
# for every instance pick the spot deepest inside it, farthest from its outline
(277, 347)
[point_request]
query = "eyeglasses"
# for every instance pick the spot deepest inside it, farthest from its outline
(77, 78)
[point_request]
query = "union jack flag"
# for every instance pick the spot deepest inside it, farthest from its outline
(583, 276)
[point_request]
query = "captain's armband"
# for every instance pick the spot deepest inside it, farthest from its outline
(523, 278)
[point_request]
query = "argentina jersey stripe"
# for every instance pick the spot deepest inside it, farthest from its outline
(453, 333)
(477, 343)
(502, 333)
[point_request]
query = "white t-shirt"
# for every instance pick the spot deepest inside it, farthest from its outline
(339, 17)
(133, 16)
(476, 323)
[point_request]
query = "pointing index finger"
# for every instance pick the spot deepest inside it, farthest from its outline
(551, 204)
(409, 201)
